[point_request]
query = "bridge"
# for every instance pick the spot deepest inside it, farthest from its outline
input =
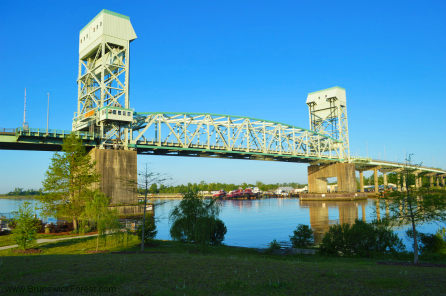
(114, 133)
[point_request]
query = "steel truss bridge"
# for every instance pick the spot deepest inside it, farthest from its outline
(195, 134)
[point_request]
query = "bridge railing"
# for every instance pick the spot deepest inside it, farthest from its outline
(359, 159)
(55, 133)
(7, 130)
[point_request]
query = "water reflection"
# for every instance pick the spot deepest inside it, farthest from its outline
(348, 212)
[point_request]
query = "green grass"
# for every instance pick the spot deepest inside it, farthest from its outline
(5, 240)
(216, 270)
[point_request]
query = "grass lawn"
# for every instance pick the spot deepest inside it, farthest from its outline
(171, 269)
(5, 240)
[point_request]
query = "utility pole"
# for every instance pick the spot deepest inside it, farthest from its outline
(48, 113)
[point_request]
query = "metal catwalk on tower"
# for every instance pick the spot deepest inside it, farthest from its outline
(103, 104)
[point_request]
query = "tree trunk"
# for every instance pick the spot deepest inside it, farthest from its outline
(74, 223)
(415, 243)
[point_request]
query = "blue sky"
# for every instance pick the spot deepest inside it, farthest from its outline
(250, 58)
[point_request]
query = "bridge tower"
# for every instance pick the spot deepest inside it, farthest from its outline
(328, 115)
(103, 104)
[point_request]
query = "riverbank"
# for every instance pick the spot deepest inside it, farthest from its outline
(168, 268)
(18, 196)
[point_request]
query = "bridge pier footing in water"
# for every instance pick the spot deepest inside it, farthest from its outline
(344, 172)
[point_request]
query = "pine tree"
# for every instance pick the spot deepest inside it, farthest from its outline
(69, 181)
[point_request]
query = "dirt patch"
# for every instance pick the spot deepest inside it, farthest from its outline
(97, 252)
(412, 264)
(27, 251)
(137, 252)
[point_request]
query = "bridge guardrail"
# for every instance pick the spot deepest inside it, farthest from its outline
(369, 159)
(52, 132)
(7, 130)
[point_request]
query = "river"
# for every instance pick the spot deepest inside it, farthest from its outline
(255, 223)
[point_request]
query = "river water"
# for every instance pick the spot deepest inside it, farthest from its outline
(255, 223)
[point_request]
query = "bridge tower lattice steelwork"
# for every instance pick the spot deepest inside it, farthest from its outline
(328, 115)
(103, 104)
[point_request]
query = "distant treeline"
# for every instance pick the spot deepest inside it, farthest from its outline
(203, 186)
(21, 192)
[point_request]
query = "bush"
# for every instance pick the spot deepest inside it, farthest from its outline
(208, 230)
(150, 231)
(360, 239)
(25, 230)
(303, 236)
(195, 219)
(274, 245)
(430, 243)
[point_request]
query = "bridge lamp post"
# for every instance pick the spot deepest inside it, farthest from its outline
(48, 113)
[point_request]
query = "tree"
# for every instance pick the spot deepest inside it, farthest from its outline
(145, 179)
(97, 211)
(149, 229)
(69, 181)
(414, 206)
(303, 236)
(25, 230)
(194, 219)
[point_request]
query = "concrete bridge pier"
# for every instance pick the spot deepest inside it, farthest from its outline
(417, 185)
(442, 180)
(361, 180)
(404, 182)
(375, 175)
(431, 181)
(118, 169)
(344, 172)
(438, 181)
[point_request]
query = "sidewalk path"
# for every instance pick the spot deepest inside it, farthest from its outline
(47, 240)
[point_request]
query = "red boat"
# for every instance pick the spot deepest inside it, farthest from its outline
(220, 194)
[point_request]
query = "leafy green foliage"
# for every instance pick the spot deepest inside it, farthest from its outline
(431, 243)
(208, 230)
(194, 219)
(150, 231)
(303, 236)
(274, 245)
(97, 210)
(25, 231)
(360, 239)
(69, 181)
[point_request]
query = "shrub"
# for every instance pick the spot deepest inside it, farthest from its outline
(360, 239)
(430, 243)
(195, 219)
(303, 236)
(25, 231)
(207, 230)
(150, 231)
(274, 245)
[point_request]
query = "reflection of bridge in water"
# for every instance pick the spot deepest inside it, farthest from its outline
(320, 221)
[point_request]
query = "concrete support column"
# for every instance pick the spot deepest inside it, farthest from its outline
(361, 180)
(118, 169)
(442, 181)
(375, 173)
(420, 184)
(344, 172)
(398, 176)
(404, 182)
(431, 181)
(438, 181)
(385, 180)
(416, 181)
